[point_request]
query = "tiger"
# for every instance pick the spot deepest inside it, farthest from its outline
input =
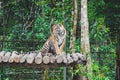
(56, 41)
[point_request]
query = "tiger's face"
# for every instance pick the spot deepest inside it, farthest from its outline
(58, 29)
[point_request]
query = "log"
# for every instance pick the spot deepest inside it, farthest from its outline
(46, 59)
(59, 58)
(38, 58)
(64, 57)
(22, 59)
(18, 57)
(1, 55)
(55, 60)
(82, 59)
(30, 58)
(6, 57)
(69, 59)
(81, 56)
(13, 55)
(74, 56)
(65, 60)
(52, 59)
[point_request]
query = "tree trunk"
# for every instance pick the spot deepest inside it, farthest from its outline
(43, 13)
(85, 45)
(118, 65)
(73, 29)
(73, 38)
(118, 57)
(0, 11)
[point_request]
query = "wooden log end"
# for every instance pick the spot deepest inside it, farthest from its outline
(38, 60)
(52, 59)
(23, 58)
(11, 60)
(74, 56)
(46, 59)
(59, 58)
(69, 59)
(1, 59)
(5, 59)
(30, 58)
(65, 60)
(17, 59)
(80, 56)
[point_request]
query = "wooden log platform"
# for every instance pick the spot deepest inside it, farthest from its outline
(39, 60)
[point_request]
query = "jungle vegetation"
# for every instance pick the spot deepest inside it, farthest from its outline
(25, 26)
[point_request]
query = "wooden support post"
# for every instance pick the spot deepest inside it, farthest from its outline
(64, 74)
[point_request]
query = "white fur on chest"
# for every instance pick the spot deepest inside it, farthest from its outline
(60, 39)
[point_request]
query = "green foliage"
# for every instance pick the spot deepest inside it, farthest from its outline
(99, 74)
(31, 21)
(99, 31)
(27, 26)
(102, 48)
(105, 71)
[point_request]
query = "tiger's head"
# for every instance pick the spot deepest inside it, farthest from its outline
(58, 29)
